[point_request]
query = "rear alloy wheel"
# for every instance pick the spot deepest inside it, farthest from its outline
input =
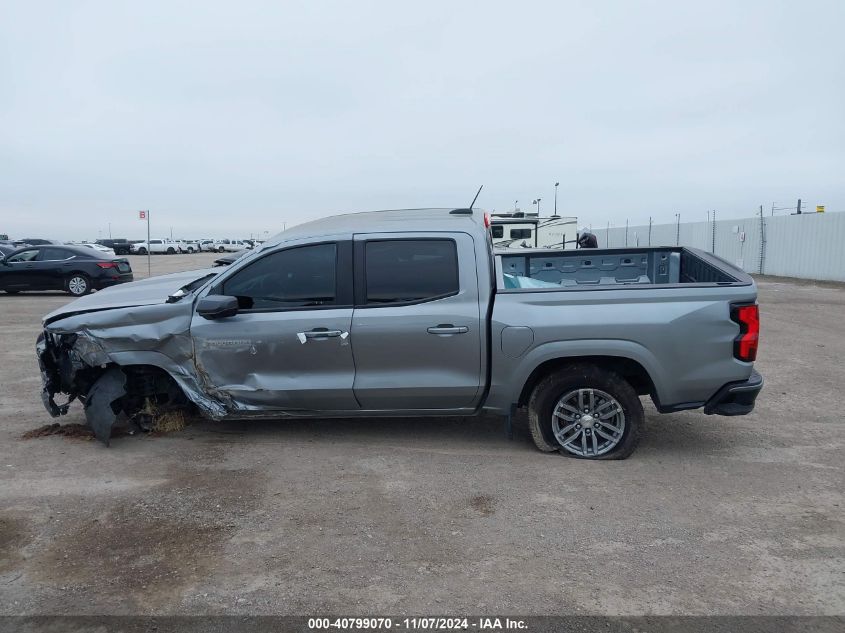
(586, 412)
(78, 285)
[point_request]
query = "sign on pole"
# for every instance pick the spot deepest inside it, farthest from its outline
(145, 215)
(819, 208)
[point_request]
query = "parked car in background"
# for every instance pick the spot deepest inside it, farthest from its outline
(119, 245)
(105, 250)
(231, 246)
(207, 245)
(190, 246)
(225, 260)
(37, 241)
(75, 269)
(160, 247)
(6, 249)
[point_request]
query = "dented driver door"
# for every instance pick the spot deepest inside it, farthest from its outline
(288, 347)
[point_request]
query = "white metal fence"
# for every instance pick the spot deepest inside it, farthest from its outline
(809, 246)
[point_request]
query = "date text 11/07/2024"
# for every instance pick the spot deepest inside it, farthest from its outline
(420, 623)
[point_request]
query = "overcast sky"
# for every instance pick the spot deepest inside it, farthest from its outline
(236, 117)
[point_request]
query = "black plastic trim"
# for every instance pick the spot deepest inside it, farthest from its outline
(736, 398)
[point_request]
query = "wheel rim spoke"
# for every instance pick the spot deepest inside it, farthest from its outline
(562, 433)
(607, 436)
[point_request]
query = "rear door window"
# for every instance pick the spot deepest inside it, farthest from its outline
(54, 254)
(401, 271)
(520, 234)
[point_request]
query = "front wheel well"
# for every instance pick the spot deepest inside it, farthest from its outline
(632, 371)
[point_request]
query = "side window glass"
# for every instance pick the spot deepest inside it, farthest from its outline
(498, 230)
(25, 256)
(53, 254)
(410, 270)
(520, 234)
(298, 277)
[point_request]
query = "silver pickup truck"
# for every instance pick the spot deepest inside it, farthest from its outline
(412, 313)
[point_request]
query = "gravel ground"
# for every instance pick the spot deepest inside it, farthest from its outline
(710, 516)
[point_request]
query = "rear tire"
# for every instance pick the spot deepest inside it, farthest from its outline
(171, 250)
(221, 250)
(78, 284)
(612, 421)
(142, 251)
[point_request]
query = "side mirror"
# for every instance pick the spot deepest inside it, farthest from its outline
(217, 307)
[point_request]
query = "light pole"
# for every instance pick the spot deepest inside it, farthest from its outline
(678, 230)
(515, 202)
(537, 202)
(556, 184)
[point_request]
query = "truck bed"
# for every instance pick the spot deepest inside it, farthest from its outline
(584, 269)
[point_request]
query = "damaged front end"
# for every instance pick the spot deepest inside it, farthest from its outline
(74, 364)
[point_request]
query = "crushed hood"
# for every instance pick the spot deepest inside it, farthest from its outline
(136, 293)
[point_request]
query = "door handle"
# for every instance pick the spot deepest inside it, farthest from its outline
(448, 328)
(320, 333)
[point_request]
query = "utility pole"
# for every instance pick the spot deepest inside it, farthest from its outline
(514, 205)
(762, 242)
(607, 235)
(537, 202)
(109, 230)
(556, 184)
(678, 230)
(799, 206)
(626, 231)
(649, 230)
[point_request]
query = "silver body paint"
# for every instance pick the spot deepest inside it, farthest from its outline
(385, 361)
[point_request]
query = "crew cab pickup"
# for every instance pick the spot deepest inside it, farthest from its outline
(412, 313)
(163, 246)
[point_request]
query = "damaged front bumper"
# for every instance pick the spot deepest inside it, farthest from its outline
(75, 365)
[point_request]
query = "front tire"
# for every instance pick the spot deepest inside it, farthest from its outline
(585, 412)
(78, 284)
(221, 250)
(171, 250)
(142, 251)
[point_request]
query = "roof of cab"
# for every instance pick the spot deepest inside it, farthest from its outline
(388, 221)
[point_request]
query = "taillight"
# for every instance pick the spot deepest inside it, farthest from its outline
(745, 345)
(486, 220)
(106, 264)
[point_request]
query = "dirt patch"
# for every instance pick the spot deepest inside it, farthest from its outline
(153, 546)
(14, 535)
(483, 504)
(79, 431)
